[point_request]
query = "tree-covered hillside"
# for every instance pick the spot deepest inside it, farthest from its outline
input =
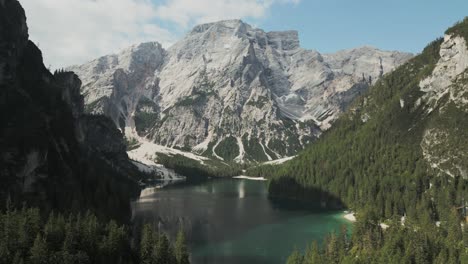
(397, 152)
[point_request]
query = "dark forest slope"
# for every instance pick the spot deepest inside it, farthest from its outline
(401, 150)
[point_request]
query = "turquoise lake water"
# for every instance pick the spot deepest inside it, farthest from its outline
(233, 221)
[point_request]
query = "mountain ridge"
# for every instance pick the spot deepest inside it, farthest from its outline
(256, 93)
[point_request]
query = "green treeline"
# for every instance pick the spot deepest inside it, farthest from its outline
(194, 169)
(372, 159)
(412, 243)
(27, 237)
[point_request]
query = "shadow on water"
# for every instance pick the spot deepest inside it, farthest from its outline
(288, 194)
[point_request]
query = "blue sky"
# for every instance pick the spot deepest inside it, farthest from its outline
(75, 31)
(331, 25)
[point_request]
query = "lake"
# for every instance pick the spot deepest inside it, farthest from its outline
(233, 221)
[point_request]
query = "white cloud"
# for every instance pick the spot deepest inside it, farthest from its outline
(188, 12)
(75, 31)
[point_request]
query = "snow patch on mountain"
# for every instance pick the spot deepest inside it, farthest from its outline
(241, 155)
(147, 153)
(278, 161)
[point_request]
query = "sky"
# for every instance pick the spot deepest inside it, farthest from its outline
(73, 32)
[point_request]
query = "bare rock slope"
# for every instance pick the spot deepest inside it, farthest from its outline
(231, 91)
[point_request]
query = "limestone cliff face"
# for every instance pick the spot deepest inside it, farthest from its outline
(52, 154)
(446, 95)
(227, 85)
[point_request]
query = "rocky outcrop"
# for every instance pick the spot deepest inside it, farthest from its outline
(122, 80)
(52, 154)
(452, 64)
(228, 80)
(446, 90)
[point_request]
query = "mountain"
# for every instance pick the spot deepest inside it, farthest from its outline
(230, 91)
(52, 154)
(398, 156)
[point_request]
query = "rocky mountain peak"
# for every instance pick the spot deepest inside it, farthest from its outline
(281, 40)
(149, 54)
(233, 25)
(231, 91)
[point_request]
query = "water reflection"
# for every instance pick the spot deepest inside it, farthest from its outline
(241, 189)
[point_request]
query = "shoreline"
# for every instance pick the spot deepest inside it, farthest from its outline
(350, 216)
(249, 178)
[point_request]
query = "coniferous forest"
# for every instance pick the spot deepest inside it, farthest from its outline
(28, 237)
(377, 168)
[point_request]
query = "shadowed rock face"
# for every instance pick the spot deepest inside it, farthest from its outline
(52, 154)
(13, 38)
(228, 79)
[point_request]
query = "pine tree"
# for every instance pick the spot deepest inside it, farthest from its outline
(312, 255)
(454, 235)
(332, 251)
(180, 249)
(89, 230)
(172, 259)
(113, 243)
(344, 239)
(161, 253)
(54, 231)
(147, 244)
(67, 253)
(295, 258)
(69, 243)
(39, 251)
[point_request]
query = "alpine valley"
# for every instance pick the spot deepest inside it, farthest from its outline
(232, 146)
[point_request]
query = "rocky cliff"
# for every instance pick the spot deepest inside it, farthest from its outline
(52, 154)
(231, 91)
(446, 95)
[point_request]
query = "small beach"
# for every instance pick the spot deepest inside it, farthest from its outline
(350, 216)
(250, 178)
